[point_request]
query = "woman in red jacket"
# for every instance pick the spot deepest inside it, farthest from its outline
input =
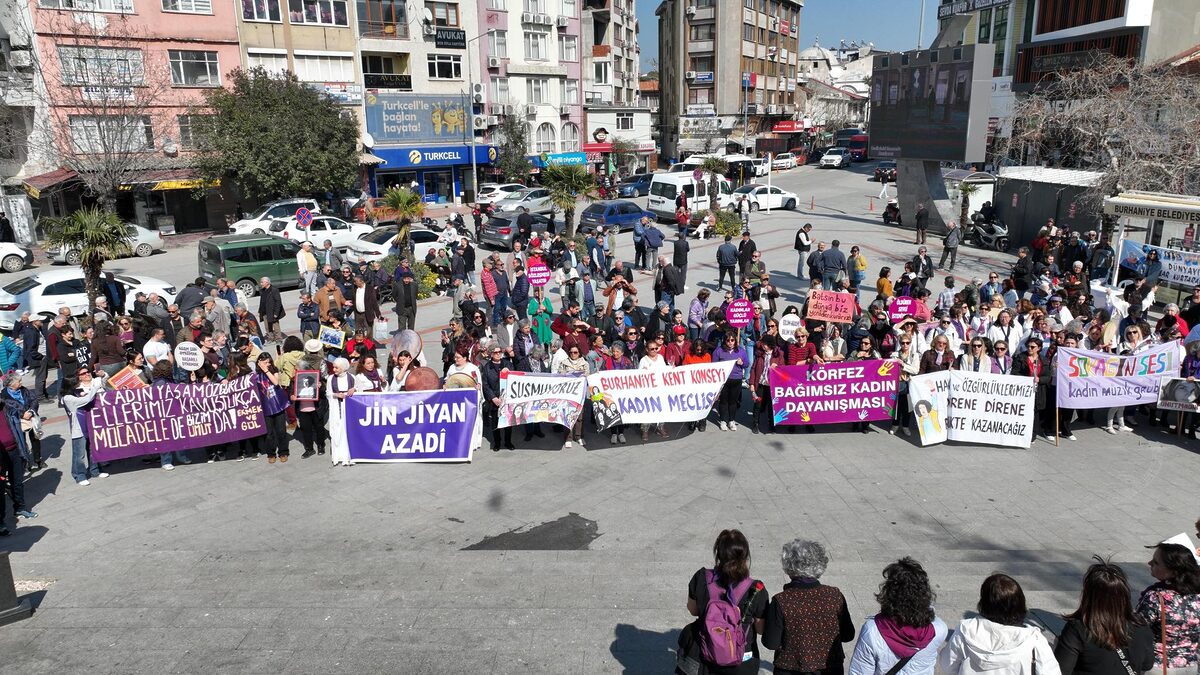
(767, 355)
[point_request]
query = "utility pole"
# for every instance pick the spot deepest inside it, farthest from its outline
(471, 123)
(921, 26)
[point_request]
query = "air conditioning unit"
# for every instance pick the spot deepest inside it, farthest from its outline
(545, 20)
(492, 120)
(691, 10)
(690, 75)
(480, 122)
(527, 17)
(563, 20)
(753, 109)
(530, 109)
(429, 29)
(510, 109)
(493, 62)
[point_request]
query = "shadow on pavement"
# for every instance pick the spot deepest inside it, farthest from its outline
(644, 651)
(22, 539)
(40, 484)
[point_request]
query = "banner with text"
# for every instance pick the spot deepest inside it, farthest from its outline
(858, 391)
(830, 306)
(414, 426)
(1178, 393)
(683, 394)
(1178, 267)
(530, 398)
(929, 395)
(151, 420)
(978, 408)
(1088, 379)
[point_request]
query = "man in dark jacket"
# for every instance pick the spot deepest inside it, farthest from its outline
(114, 291)
(310, 317)
(191, 297)
(28, 331)
(922, 220)
(668, 282)
(835, 266)
(746, 251)
(679, 256)
(727, 259)
(490, 373)
(270, 309)
(653, 239)
(406, 300)
(524, 225)
(816, 265)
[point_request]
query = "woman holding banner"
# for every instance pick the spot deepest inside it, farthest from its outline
(577, 366)
(865, 352)
(1031, 364)
(730, 399)
(767, 355)
(910, 364)
(653, 360)
(339, 388)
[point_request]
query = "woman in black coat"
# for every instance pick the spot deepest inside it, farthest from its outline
(1031, 364)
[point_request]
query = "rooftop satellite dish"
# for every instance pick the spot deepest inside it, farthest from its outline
(427, 16)
(368, 140)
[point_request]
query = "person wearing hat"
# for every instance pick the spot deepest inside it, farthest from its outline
(213, 315)
(1056, 309)
(506, 332)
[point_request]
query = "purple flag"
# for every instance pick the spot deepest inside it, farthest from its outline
(413, 426)
(850, 391)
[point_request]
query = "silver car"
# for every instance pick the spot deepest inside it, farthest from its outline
(142, 243)
(537, 200)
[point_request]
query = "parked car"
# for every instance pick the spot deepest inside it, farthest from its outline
(142, 243)
(836, 158)
(494, 192)
(258, 221)
(617, 213)
(536, 199)
(500, 229)
(375, 244)
(763, 197)
(336, 230)
(43, 293)
(14, 258)
(761, 167)
(886, 171)
(635, 186)
(815, 155)
(246, 258)
(665, 188)
(784, 160)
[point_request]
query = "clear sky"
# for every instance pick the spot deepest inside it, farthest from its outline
(891, 24)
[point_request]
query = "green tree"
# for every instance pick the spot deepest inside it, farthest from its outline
(273, 136)
(512, 140)
(965, 191)
(714, 167)
(568, 183)
(98, 235)
(399, 204)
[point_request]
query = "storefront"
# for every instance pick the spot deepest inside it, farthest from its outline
(545, 159)
(600, 158)
(441, 172)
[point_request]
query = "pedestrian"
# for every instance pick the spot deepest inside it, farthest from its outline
(807, 622)
(275, 405)
(405, 293)
(639, 243)
(816, 266)
(923, 267)
(1104, 636)
(802, 246)
(904, 637)
(746, 250)
(950, 245)
(653, 239)
(1171, 608)
(339, 388)
(679, 256)
(730, 399)
(834, 266)
(922, 221)
(998, 642)
(856, 267)
(270, 309)
(727, 259)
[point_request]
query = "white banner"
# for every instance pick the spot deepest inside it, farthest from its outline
(979, 408)
(928, 395)
(682, 394)
(530, 398)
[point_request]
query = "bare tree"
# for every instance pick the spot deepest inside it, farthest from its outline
(1135, 124)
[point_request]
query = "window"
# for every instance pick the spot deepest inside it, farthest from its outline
(985, 26)
(188, 130)
(444, 13)
(498, 43)
(569, 8)
(702, 64)
(624, 121)
(189, 6)
(570, 92)
(319, 12)
(601, 71)
(101, 66)
(537, 90)
(1000, 38)
(700, 95)
(68, 287)
(324, 68)
(545, 138)
(275, 64)
(378, 65)
(706, 3)
(383, 18)
(498, 4)
(500, 93)
(537, 46)
(537, 6)
(568, 48)
(445, 67)
(703, 31)
(570, 137)
(260, 10)
(111, 133)
(194, 69)
(122, 6)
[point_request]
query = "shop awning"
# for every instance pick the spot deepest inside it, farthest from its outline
(167, 179)
(34, 185)
(368, 159)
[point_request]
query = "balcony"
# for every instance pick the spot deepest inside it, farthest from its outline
(598, 6)
(601, 51)
(383, 30)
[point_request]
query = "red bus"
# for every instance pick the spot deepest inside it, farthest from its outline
(860, 147)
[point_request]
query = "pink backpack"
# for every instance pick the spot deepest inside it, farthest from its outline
(722, 628)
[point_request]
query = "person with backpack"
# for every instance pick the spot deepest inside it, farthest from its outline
(730, 607)
(807, 623)
(904, 637)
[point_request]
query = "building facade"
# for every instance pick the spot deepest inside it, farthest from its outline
(622, 125)
(610, 52)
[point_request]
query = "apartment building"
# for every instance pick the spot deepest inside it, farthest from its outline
(611, 53)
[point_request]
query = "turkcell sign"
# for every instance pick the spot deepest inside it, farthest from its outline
(395, 119)
(441, 155)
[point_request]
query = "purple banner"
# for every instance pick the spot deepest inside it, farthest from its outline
(853, 391)
(414, 426)
(152, 420)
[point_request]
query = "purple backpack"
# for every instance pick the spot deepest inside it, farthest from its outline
(722, 630)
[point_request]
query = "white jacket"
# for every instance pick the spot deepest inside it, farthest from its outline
(980, 646)
(873, 656)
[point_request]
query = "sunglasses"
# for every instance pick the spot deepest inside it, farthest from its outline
(977, 346)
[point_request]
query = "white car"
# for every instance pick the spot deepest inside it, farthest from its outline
(836, 158)
(375, 244)
(14, 258)
(493, 192)
(784, 160)
(537, 200)
(258, 221)
(142, 243)
(43, 293)
(336, 230)
(763, 197)
(761, 167)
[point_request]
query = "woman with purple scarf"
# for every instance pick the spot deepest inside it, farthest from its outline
(904, 637)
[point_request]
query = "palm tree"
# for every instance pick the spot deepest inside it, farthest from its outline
(965, 190)
(98, 235)
(714, 167)
(399, 204)
(568, 183)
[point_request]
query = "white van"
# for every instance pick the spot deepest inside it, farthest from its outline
(665, 187)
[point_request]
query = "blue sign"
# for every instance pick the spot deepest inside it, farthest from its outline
(704, 77)
(417, 119)
(558, 158)
(303, 217)
(415, 426)
(434, 155)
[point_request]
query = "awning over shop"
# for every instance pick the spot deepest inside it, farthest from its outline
(167, 179)
(34, 185)
(367, 159)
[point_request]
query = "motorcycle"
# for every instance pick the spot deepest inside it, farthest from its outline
(891, 213)
(993, 235)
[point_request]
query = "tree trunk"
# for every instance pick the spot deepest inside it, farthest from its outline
(91, 284)
(568, 223)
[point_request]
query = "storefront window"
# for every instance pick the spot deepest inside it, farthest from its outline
(440, 183)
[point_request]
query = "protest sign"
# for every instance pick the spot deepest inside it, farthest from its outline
(928, 395)
(991, 409)
(683, 394)
(858, 391)
(1177, 393)
(830, 306)
(900, 307)
(788, 323)
(539, 274)
(189, 356)
(126, 378)
(414, 426)
(332, 338)
(531, 398)
(1178, 267)
(739, 313)
(150, 420)
(1088, 379)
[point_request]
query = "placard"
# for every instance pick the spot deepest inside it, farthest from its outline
(739, 313)
(831, 306)
(539, 275)
(788, 323)
(126, 378)
(413, 426)
(928, 396)
(331, 338)
(1088, 379)
(682, 394)
(902, 306)
(306, 385)
(855, 391)
(1177, 393)
(189, 356)
(1178, 267)
(531, 398)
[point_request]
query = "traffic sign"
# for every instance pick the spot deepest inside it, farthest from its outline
(304, 217)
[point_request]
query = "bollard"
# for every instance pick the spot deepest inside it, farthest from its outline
(11, 609)
(871, 205)
(813, 204)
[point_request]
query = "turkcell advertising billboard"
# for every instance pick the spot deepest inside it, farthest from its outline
(932, 104)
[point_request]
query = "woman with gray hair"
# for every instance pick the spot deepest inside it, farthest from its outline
(339, 388)
(807, 622)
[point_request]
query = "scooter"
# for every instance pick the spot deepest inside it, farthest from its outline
(993, 235)
(891, 213)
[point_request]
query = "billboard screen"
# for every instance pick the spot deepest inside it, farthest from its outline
(932, 104)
